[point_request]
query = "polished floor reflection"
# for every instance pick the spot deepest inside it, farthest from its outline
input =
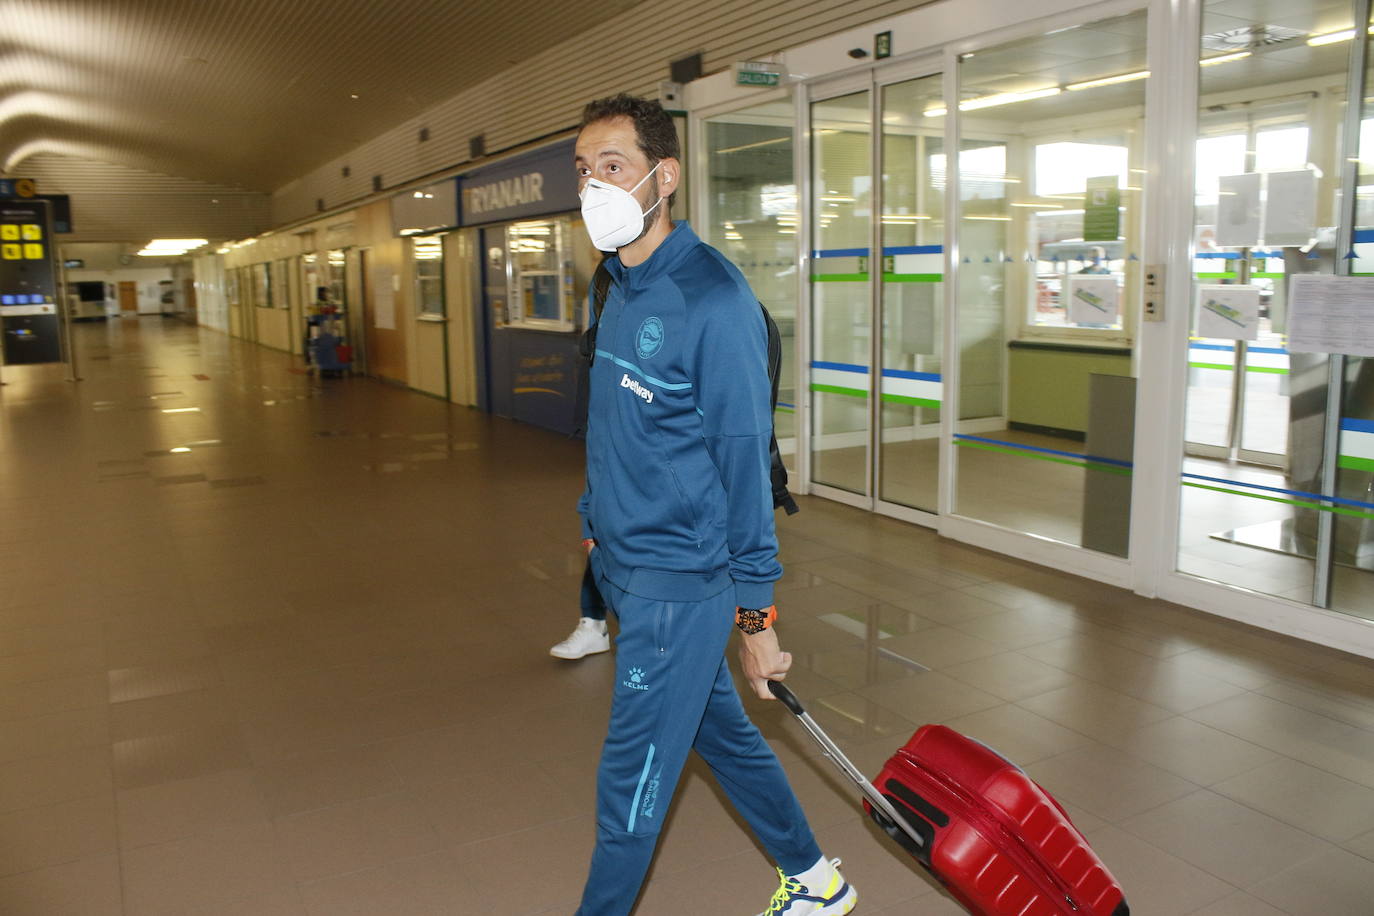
(276, 646)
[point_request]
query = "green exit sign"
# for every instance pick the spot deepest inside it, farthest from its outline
(757, 73)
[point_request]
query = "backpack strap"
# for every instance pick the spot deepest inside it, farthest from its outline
(777, 471)
(601, 288)
(586, 347)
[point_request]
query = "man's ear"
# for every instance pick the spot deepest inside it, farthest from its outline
(670, 175)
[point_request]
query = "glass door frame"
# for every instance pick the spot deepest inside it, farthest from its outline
(1175, 33)
(873, 81)
(1160, 353)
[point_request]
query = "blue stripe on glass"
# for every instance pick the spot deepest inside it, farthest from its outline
(1235, 255)
(1227, 348)
(839, 367)
(915, 249)
(841, 253)
(666, 386)
(902, 373)
(1357, 426)
(639, 789)
(787, 405)
(1304, 494)
(1048, 451)
(1364, 235)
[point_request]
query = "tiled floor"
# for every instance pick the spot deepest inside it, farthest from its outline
(300, 668)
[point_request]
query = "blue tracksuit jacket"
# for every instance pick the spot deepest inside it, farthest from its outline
(679, 421)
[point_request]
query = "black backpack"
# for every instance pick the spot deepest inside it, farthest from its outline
(777, 471)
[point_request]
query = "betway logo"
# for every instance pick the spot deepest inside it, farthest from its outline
(640, 390)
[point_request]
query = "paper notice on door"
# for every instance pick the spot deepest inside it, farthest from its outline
(383, 299)
(1094, 300)
(1329, 314)
(1238, 210)
(1290, 207)
(1228, 312)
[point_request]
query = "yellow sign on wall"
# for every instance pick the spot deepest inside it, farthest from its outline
(32, 232)
(10, 252)
(33, 252)
(9, 232)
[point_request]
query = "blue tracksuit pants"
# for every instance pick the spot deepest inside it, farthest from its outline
(673, 693)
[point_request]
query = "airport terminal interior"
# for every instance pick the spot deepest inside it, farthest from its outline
(1077, 399)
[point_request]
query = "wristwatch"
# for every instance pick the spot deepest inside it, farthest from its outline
(755, 620)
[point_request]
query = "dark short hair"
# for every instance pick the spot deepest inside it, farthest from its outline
(654, 128)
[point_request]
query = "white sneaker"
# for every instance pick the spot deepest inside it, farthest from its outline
(589, 638)
(831, 895)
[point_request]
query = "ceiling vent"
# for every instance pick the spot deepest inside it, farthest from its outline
(1250, 38)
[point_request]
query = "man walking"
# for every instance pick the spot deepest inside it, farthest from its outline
(678, 520)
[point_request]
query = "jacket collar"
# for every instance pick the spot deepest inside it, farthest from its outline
(663, 259)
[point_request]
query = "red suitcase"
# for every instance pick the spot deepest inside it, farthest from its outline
(998, 842)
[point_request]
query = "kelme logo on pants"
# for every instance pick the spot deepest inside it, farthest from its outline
(635, 680)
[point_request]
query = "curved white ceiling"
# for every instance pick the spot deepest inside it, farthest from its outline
(251, 93)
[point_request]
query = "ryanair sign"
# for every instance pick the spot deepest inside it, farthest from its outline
(534, 184)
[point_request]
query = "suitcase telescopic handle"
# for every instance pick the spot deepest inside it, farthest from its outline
(846, 766)
(788, 698)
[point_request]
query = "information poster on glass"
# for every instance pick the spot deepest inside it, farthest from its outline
(1329, 314)
(384, 299)
(1093, 299)
(1290, 209)
(1228, 312)
(1238, 210)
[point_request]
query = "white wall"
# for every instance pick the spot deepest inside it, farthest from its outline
(147, 278)
(211, 299)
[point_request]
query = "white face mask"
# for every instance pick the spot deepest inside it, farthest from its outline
(613, 216)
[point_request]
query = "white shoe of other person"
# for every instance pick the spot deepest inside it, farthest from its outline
(588, 638)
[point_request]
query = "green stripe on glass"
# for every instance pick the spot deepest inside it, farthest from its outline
(1339, 510)
(913, 278)
(1352, 463)
(1089, 465)
(1226, 367)
(836, 389)
(915, 402)
(839, 278)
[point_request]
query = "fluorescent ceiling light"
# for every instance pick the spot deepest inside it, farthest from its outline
(1007, 98)
(182, 244)
(991, 101)
(1109, 80)
(1223, 59)
(1331, 38)
(1038, 206)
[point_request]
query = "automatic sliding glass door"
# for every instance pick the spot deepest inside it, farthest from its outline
(841, 298)
(875, 403)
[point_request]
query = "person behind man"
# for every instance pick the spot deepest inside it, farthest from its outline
(677, 517)
(590, 636)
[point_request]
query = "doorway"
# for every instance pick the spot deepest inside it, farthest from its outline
(128, 299)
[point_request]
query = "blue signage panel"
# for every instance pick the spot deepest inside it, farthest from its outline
(535, 184)
(542, 377)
